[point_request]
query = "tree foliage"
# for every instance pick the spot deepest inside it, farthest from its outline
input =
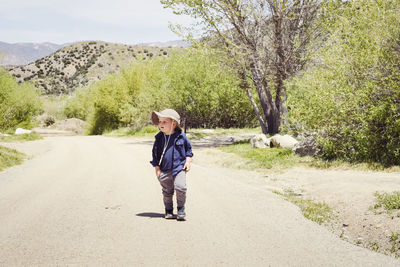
(351, 95)
(18, 103)
(194, 83)
(267, 41)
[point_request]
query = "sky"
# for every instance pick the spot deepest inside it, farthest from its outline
(65, 21)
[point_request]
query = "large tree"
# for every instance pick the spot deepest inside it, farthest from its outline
(267, 41)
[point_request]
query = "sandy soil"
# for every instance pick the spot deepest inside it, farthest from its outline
(95, 201)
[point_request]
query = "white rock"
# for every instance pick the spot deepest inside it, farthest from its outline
(22, 131)
(259, 141)
(285, 141)
(3, 134)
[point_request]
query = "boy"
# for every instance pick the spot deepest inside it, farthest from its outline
(172, 155)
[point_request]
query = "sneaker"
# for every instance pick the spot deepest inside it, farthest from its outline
(181, 214)
(169, 214)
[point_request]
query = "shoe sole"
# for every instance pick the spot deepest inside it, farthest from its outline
(181, 219)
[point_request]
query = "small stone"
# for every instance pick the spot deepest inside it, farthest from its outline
(360, 240)
(345, 224)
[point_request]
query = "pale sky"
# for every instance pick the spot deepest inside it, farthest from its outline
(64, 21)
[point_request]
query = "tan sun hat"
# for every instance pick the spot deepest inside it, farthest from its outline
(166, 113)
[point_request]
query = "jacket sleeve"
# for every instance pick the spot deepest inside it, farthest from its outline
(154, 161)
(188, 148)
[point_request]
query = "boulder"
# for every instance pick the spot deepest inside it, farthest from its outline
(308, 146)
(285, 141)
(22, 131)
(259, 141)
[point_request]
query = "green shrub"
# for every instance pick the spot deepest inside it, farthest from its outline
(49, 120)
(388, 201)
(19, 104)
(205, 93)
(353, 97)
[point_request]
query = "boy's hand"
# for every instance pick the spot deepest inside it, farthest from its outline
(158, 171)
(186, 167)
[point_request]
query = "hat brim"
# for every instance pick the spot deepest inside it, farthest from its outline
(155, 118)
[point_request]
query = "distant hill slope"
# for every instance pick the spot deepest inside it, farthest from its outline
(24, 53)
(80, 64)
(176, 43)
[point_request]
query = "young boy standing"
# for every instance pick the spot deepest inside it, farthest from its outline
(172, 155)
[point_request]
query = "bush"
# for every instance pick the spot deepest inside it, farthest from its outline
(206, 93)
(201, 90)
(49, 120)
(353, 97)
(18, 103)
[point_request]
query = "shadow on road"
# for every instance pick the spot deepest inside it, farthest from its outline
(151, 215)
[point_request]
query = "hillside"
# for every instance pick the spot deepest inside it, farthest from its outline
(25, 53)
(80, 64)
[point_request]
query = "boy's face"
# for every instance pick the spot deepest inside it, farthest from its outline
(166, 125)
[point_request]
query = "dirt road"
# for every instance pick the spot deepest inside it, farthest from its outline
(95, 201)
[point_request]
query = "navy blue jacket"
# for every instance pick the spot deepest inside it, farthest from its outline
(181, 150)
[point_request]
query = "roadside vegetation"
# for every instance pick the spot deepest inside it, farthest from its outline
(315, 211)
(350, 96)
(274, 159)
(204, 92)
(19, 103)
(10, 157)
(146, 131)
(20, 137)
(277, 159)
(389, 202)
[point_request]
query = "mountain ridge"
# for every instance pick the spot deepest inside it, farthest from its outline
(23, 53)
(81, 64)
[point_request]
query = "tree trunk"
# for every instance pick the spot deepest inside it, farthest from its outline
(271, 113)
(264, 127)
(280, 74)
(245, 86)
